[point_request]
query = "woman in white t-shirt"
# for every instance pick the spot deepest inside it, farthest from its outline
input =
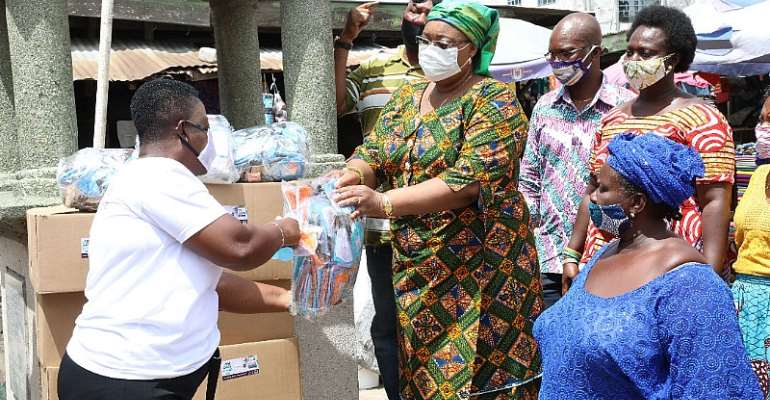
(158, 246)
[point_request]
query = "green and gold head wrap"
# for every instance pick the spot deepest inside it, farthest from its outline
(478, 22)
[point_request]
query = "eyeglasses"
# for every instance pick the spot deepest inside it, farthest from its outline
(567, 55)
(443, 44)
(196, 126)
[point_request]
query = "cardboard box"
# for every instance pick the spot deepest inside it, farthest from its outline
(266, 370)
(56, 314)
(58, 238)
(49, 377)
(273, 374)
(262, 203)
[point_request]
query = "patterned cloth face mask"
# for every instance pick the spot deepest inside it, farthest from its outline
(571, 72)
(609, 218)
(762, 132)
(642, 74)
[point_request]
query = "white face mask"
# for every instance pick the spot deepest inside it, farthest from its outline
(438, 64)
(209, 153)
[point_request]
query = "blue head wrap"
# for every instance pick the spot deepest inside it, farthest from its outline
(663, 169)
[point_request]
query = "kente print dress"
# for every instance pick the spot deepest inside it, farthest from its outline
(466, 281)
(699, 126)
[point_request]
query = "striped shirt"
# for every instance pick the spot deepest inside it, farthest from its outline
(699, 126)
(370, 86)
(554, 170)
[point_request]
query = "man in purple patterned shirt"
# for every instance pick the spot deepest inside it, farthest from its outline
(554, 170)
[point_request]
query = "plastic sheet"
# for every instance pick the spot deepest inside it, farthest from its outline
(223, 168)
(84, 177)
(272, 153)
(327, 259)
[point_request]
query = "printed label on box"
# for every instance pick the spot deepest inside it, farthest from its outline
(240, 367)
(84, 248)
(239, 212)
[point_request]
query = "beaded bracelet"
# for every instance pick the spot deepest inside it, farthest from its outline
(571, 253)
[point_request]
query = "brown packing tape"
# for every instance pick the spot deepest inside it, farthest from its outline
(278, 377)
(55, 234)
(56, 314)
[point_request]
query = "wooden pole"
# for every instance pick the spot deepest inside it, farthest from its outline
(103, 75)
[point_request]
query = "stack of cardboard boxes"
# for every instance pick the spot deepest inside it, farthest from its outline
(260, 357)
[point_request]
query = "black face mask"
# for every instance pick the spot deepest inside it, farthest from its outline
(409, 33)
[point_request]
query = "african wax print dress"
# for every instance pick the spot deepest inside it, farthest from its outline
(466, 280)
(699, 126)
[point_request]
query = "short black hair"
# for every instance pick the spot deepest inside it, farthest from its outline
(158, 105)
(677, 26)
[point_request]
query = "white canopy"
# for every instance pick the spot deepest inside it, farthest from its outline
(521, 47)
(733, 36)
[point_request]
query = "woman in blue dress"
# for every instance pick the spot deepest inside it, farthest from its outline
(647, 318)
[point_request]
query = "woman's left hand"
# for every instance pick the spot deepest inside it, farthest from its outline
(366, 201)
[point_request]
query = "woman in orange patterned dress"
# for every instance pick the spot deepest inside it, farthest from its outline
(661, 43)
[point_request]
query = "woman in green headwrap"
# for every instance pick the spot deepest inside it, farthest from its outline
(465, 265)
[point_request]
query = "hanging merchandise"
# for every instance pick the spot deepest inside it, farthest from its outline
(280, 113)
(327, 258)
(223, 168)
(267, 103)
(273, 153)
(83, 177)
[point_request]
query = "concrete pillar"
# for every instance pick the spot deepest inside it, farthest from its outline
(39, 43)
(329, 370)
(308, 64)
(8, 149)
(240, 79)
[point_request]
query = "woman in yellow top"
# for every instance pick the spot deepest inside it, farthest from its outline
(751, 289)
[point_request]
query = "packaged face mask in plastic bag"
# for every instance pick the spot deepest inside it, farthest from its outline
(327, 258)
(272, 153)
(223, 168)
(84, 177)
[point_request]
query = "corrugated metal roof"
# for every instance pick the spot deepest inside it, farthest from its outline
(133, 60)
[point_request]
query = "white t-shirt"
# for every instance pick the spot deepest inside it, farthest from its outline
(152, 303)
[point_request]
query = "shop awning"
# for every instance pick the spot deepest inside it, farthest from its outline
(134, 60)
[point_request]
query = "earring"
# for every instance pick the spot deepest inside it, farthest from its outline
(632, 215)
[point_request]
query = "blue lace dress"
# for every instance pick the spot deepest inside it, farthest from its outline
(676, 337)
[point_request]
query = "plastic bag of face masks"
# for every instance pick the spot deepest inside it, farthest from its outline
(223, 169)
(278, 152)
(327, 258)
(83, 177)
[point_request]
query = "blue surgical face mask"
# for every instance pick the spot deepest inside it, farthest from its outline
(609, 218)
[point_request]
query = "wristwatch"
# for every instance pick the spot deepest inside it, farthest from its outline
(341, 44)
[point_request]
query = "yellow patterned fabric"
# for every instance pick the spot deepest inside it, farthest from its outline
(752, 227)
(466, 280)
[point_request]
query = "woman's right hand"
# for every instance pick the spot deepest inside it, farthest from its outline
(290, 229)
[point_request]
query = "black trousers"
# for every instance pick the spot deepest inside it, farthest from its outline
(551, 288)
(77, 383)
(379, 263)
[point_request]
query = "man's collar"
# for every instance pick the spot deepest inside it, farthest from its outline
(602, 95)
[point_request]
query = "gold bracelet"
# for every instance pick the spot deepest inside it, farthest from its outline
(358, 172)
(387, 206)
